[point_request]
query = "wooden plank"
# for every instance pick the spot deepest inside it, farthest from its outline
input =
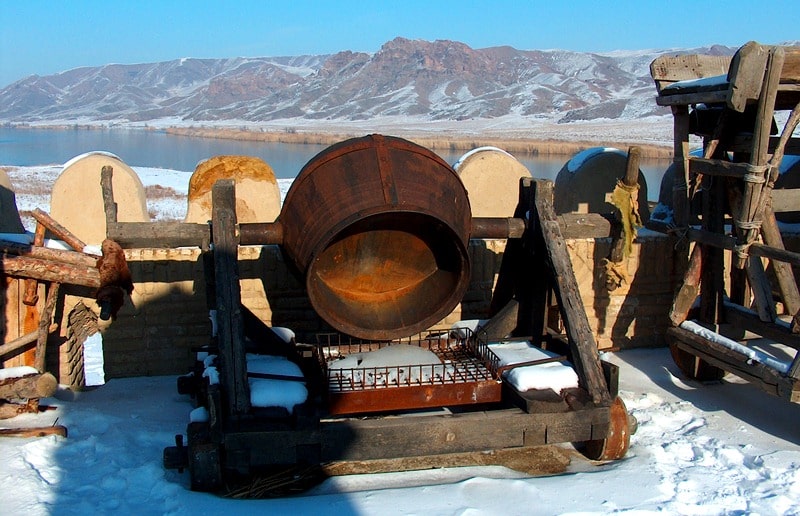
(746, 75)
(107, 187)
(668, 69)
(747, 319)
(783, 271)
(756, 249)
(718, 167)
(28, 267)
(46, 253)
(58, 230)
(45, 319)
(584, 348)
(133, 235)
(717, 355)
(762, 290)
(689, 289)
(786, 200)
(233, 367)
(31, 285)
(18, 343)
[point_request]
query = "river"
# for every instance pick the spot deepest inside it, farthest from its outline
(151, 148)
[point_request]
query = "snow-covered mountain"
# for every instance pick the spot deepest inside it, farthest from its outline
(439, 80)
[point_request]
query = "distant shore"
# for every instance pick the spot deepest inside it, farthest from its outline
(440, 142)
(547, 139)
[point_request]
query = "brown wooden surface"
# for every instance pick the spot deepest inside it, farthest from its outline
(44, 270)
(584, 348)
(31, 285)
(40, 431)
(144, 235)
(18, 343)
(45, 319)
(46, 253)
(58, 230)
(233, 369)
(718, 355)
(40, 385)
(689, 289)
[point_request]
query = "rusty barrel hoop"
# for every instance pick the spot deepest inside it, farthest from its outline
(380, 227)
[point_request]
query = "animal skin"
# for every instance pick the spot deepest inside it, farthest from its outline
(115, 280)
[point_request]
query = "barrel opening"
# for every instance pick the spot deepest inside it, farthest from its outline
(390, 271)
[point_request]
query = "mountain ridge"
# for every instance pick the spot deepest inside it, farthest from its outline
(433, 80)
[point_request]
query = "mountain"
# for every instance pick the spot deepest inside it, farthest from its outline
(439, 80)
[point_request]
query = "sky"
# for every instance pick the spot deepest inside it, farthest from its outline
(46, 37)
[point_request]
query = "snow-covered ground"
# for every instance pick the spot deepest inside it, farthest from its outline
(724, 448)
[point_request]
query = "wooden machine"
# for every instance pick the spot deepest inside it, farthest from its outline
(728, 203)
(378, 228)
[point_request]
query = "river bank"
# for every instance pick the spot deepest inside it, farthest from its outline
(513, 134)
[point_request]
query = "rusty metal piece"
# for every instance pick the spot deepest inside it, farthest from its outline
(467, 374)
(616, 443)
(380, 227)
(497, 227)
(261, 233)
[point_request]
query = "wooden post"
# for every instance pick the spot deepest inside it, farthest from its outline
(579, 334)
(233, 367)
(31, 285)
(44, 326)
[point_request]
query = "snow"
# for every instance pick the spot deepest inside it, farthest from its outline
(553, 375)
(722, 448)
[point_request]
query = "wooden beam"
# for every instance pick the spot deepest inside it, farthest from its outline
(583, 345)
(233, 368)
(58, 230)
(43, 270)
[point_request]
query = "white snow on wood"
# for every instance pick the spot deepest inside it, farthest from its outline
(553, 375)
(752, 354)
(17, 372)
(274, 392)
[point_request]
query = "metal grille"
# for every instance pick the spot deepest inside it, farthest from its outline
(461, 360)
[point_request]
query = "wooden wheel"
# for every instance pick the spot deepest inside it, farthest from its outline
(615, 445)
(693, 367)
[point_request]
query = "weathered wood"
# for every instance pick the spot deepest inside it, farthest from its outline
(668, 69)
(690, 288)
(497, 227)
(39, 431)
(758, 157)
(581, 338)
(133, 235)
(718, 355)
(58, 230)
(233, 367)
(584, 225)
(43, 270)
(726, 242)
(41, 385)
(762, 290)
(46, 253)
(107, 187)
(31, 285)
(747, 319)
(783, 271)
(18, 343)
(44, 325)
(502, 323)
(746, 75)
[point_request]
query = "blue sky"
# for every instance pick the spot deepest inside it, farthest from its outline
(45, 37)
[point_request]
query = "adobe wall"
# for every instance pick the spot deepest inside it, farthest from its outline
(169, 315)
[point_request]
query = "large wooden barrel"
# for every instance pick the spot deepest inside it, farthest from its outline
(380, 228)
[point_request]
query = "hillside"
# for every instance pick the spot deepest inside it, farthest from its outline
(406, 79)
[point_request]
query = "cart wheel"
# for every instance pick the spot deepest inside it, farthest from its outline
(693, 367)
(615, 446)
(205, 472)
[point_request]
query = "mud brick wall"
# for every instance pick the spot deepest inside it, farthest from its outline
(169, 315)
(637, 313)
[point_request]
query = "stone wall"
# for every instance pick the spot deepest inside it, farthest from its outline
(169, 314)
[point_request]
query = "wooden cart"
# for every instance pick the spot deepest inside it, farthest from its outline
(724, 204)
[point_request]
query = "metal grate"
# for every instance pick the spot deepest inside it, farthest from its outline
(464, 371)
